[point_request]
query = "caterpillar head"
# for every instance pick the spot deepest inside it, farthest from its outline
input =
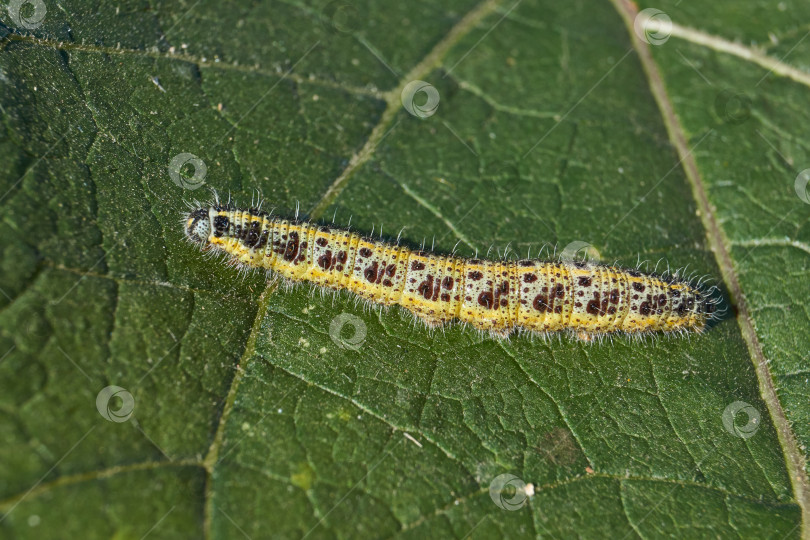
(198, 226)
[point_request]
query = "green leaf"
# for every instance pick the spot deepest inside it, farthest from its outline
(266, 411)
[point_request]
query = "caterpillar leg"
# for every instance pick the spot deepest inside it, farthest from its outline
(431, 321)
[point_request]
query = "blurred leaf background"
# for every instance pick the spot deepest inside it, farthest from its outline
(557, 122)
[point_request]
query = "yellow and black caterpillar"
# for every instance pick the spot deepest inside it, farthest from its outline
(495, 296)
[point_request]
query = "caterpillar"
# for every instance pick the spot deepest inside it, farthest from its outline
(499, 297)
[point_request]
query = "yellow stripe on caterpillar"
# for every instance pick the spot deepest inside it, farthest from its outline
(495, 296)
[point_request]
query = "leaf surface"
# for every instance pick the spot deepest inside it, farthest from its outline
(252, 417)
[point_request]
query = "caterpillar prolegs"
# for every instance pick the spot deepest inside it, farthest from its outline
(495, 296)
